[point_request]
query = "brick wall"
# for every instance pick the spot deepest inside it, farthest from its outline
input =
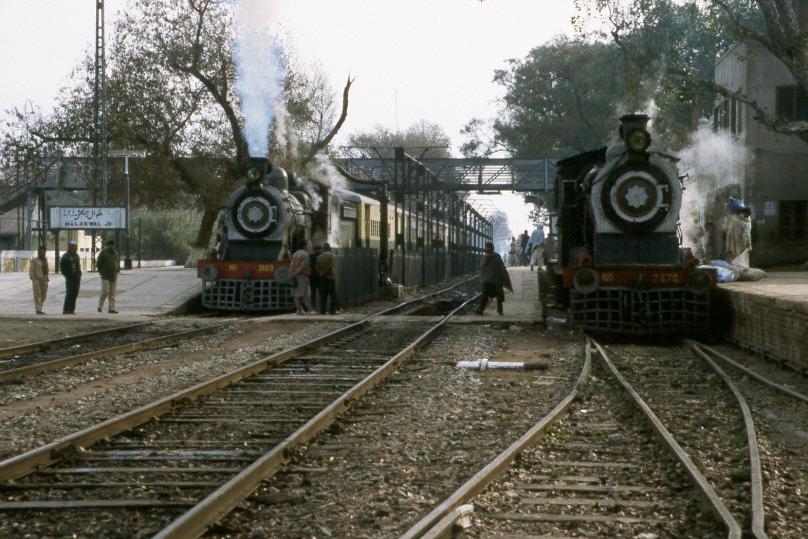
(769, 326)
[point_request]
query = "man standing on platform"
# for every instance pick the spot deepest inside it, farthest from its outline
(523, 241)
(314, 278)
(70, 267)
(328, 280)
(108, 265)
(535, 247)
(300, 270)
(38, 272)
(494, 277)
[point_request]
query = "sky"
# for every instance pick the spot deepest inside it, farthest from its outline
(412, 60)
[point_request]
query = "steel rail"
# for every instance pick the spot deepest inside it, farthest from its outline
(749, 372)
(704, 486)
(42, 345)
(194, 522)
(19, 372)
(756, 478)
(440, 521)
(51, 453)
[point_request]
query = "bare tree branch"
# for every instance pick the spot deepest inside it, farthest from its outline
(321, 144)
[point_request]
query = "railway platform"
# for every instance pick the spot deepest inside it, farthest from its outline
(141, 293)
(769, 316)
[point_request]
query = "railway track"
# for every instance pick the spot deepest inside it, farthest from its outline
(781, 413)
(175, 466)
(25, 360)
(609, 468)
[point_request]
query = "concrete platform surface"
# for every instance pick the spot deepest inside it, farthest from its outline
(791, 287)
(141, 292)
(521, 305)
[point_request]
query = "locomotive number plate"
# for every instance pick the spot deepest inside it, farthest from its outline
(665, 278)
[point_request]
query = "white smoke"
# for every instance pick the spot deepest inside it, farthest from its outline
(322, 172)
(259, 70)
(713, 161)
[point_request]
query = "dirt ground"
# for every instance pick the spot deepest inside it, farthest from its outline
(14, 332)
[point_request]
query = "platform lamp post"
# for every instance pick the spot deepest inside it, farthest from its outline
(126, 154)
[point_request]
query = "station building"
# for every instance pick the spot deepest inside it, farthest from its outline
(773, 181)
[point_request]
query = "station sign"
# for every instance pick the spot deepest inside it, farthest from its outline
(87, 218)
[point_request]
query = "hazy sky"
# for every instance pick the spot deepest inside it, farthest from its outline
(438, 55)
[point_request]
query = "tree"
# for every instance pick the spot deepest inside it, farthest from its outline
(421, 139)
(563, 97)
(773, 24)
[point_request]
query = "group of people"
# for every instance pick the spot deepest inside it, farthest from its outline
(528, 249)
(314, 274)
(108, 265)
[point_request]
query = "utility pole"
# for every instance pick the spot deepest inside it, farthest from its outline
(99, 118)
(126, 154)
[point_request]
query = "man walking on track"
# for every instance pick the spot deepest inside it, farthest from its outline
(494, 277)
(38, 272)
(108, 265)
(70, 267)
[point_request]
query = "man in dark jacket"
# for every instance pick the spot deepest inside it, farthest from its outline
(328, 280)
(494, 277)
(108, 266)
(524, 239)
(314, 278)
(70, 267)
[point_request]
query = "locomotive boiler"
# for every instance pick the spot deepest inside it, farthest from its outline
(621, 266)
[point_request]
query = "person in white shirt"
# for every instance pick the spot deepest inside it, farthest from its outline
(535, 247)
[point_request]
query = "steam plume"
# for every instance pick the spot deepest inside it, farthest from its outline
(714, 162)
(259, 70)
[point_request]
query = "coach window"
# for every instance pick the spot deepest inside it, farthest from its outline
(793, 219)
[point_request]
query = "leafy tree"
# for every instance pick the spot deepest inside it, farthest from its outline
(563, 97)
(716, 25)
(421, 139)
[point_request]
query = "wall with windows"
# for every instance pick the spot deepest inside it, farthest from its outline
(775, 179)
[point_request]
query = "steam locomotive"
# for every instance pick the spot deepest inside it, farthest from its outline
(621, 267)
(265, 219)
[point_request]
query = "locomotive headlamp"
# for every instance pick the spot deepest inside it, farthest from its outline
(634, 132)
(698, 281)
(638, 141)
(257, 169)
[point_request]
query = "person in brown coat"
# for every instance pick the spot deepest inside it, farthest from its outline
(494, 277)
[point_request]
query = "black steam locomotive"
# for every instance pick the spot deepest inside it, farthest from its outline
(621, 267)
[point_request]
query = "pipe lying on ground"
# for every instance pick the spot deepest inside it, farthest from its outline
(484, 364)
